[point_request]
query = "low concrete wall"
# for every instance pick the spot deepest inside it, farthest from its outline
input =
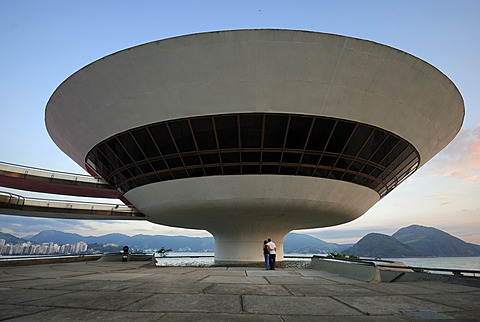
(131, 257)
(348, 269)
(49, 260)
(370, 273)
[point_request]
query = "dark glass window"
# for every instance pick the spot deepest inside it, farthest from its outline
(275, 129)
(231, 170)
(190, 160)
(158, 164)
(272, 156)
(145, 142)
(182, 136)
(373, 143)
(270, 169)
(227, 131)
(180, 174)
(129, 144)
(210, 158)
(251, 157)
(321, 131)
(255, 143)
(231, 157)
(119, 151)
(291, 157)
(196, 172)
(310, 159)
(174, 162)
(340, 136)
(384, 149)
(306, 171)
(162, 137)
(251, 129)
(204, 134)
(358, 139)
(213, 171)
(251, 169)
(298, 132)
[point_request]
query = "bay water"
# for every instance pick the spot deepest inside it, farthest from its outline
(207, 259)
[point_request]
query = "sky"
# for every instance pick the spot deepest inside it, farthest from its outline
(44, 42)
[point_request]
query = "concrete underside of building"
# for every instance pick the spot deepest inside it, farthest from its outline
(258, 73)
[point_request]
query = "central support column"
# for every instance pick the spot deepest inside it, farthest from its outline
(245, 245)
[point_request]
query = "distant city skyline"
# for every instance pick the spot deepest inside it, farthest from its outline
(40, 50)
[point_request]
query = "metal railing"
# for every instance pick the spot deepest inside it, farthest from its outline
(10, 200)
(372, 262)
(23, 171)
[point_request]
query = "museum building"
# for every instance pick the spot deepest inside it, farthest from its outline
(250, 134)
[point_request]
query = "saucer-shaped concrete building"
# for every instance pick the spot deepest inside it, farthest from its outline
(250, 134)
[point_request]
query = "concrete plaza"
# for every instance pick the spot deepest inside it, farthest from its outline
(140, 291)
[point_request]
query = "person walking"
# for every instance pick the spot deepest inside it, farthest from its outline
(272, 254)
(266, 254)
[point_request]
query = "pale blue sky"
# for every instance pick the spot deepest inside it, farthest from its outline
(44, 42)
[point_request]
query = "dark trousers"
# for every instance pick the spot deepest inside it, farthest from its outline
(271, 260)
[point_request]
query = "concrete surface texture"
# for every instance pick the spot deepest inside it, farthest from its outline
(118, 291)
(284, 71)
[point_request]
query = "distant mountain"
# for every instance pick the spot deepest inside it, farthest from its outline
(176, 243)
(293, 243)
(435, 242)
(299, 243)
(10, 239)
(55, 236)
(380, 245)
(412, 241)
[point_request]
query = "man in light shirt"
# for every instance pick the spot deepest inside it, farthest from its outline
(273, 255)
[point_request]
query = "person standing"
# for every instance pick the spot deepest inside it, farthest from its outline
(273, 254)
(266, 253)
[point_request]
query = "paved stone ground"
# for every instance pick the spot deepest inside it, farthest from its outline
(136, 291)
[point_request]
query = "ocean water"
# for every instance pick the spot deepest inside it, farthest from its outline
(199, 259)
(469, 263)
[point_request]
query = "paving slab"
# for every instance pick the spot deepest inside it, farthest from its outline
(188, 303)
(398, 288)
(115, 276)
(392, 304)
(64, 314)
(206, 272)
(328, 290)
(469, 301)
(234, 279)
(98, 285)
(271, 273)
(91, 300)
(173, 288)
(341, 318)
(252, 289)
(443, 287)
(305, 280)
(38, 283)
(170, 278)
(136, 291)
(207, 317)
(17, 296)
(296, 305)
(342, 280)
(11, 311)
(10, 278)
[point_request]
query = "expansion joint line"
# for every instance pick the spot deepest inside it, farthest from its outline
(353, 307)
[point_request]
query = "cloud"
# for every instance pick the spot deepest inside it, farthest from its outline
(460, 159)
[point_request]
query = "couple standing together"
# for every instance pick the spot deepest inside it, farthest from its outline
(269, 253)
